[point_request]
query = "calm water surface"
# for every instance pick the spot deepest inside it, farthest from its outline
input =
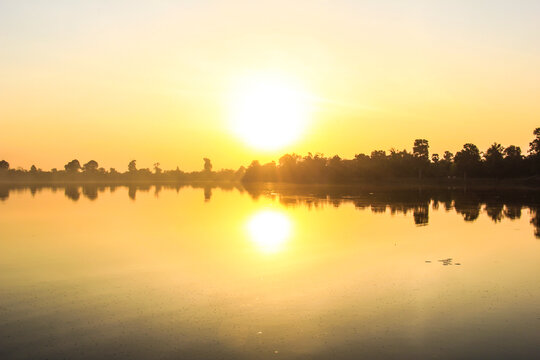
(291, 273)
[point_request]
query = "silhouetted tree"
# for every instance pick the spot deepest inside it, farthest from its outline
(494, 159)
(4, 165)
(337, 171)
(446, 163)
(288, 167)
(421, 154)
(421, 149)
(253, 172)
(207, 165)
(534, 146)
(513, 151)
(513, 161)
(239, 174)
(311, 169)
(269, 171)
(468, 160)
(494, 152)
(378, 155)
(91, 166)
(378, 164)
(534, 152)
(448, 156)
(132, 166)
(73, 166)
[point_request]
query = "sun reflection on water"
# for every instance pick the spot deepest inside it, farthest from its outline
(269, 230)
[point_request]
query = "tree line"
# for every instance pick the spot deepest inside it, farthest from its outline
(74, 171)
(496, 162)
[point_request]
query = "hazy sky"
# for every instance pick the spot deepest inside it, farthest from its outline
(149, 80)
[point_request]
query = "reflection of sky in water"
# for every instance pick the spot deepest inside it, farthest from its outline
(269, 230)
(235, 274)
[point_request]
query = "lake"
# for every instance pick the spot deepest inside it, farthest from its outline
(268, 272)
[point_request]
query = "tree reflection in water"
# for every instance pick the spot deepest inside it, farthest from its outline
(469, 203)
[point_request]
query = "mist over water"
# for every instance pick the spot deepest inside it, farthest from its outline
(263, 272)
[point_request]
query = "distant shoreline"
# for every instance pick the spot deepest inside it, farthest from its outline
(397, 183)
(497, 166)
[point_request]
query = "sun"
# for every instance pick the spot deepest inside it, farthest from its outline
(269, 230)
(268, 112)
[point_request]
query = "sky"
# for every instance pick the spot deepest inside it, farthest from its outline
(115, 81)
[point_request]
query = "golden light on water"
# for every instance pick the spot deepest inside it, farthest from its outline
(268, 112)
(269, 230)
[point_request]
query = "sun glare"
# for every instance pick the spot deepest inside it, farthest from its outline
(269, 230)
(268, 112)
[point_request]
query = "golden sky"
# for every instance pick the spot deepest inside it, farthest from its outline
(153, 81)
